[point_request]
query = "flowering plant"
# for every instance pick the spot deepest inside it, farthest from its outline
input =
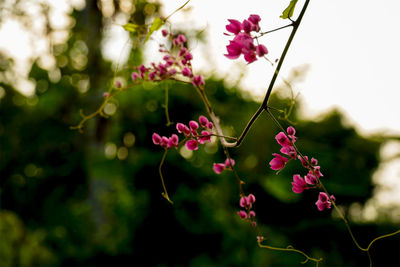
(176, 65)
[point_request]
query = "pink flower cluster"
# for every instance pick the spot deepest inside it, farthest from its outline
(299, 184)
(247, 202)
(171, 65)
(287, 143)
(191, 132)
(243, 42)
(219, 167)
(164, 141)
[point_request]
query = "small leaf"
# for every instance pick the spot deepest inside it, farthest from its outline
(130, 27)
(156, 25)
(288, 12)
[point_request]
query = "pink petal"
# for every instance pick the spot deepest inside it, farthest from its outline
(192, 145)
(156, 138)
(261, 50)
(291, 131)
(234, 26)
(282, 139)
(218, 167)
(203, 121)
(242, 214)
(251, 198)
(243, 202)
(193, 125)
(229, 164)
(164, 141)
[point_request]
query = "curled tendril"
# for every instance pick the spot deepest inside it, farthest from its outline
(291, 249)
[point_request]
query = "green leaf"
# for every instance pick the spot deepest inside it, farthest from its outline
(288, 12)
(130, 27)
(156, 25)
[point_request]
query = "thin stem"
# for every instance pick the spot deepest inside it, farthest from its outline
(240, 182)
(181, 7)
(292, 250)
(165, 193)
(166, 106)
(274, 30)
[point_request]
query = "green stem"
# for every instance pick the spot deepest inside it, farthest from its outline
(165, 193)
(274, 30)
(181, 7)
(166, 106)
(292, 250)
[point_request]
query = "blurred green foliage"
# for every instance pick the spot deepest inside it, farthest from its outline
(94, 199)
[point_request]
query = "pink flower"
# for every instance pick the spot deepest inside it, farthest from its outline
(134, 76)
(251, 199)
(247, 26)
(152, 75)
(164, 33)
(291, 131)
(229, 163)
(186, 72)
(250, 56)
(323, 201)
(173, 141)
(234, 50)
(181, 38)
(242, 43)
(234, 26)
(282, 139)
(188, 57)
(198, 81)
(317, 171)
(106, 94)
(206, 137)
(218, 167)
(192, 144)
(210, 125)
(299, 185)
(247, 202)
(156, 138)
(243, 202)
(290, 151)
(193, 125)
(278, 162)
(303, 161)
(183, 51)
(254, 19)
(252, 214)
(118, 84)
(261, 50)
(164, 141)
(311, 178)
(314, 161)
(182, 128)
(203, 121)
(242, 214)
(142, 70)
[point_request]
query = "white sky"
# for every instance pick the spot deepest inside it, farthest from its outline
(352, 48)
